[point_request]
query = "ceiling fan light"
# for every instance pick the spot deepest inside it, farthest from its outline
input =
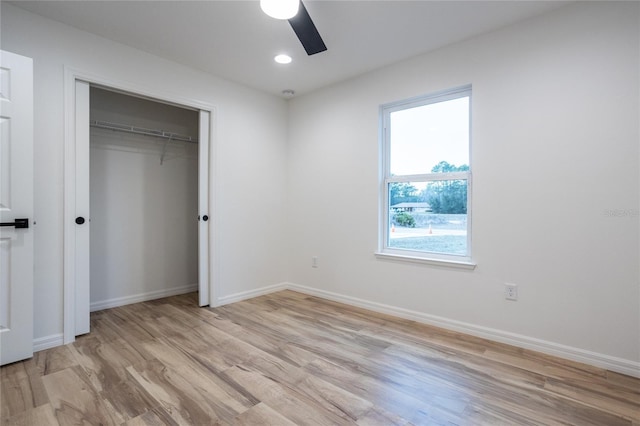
(280, 9)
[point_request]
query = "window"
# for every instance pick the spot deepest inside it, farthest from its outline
(426, 178)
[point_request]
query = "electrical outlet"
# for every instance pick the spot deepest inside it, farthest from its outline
(510, 291)
(314, 262)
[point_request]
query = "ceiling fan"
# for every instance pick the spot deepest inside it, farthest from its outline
(296, 13)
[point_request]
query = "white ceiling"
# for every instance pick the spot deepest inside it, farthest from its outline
(236, 41)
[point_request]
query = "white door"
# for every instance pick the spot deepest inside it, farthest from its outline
(16, 202)
(203, 209)
(81, 219)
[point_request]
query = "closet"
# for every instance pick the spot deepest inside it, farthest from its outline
(143, 199)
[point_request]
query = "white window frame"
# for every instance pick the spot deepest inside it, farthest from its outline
(384, 251)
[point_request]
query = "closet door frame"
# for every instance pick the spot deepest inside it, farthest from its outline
(76, 148)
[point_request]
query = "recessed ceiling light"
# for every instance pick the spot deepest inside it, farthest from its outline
(282, 59)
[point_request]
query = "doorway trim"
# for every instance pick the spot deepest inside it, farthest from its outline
(71, 76)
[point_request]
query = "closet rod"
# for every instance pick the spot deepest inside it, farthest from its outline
(141, 131)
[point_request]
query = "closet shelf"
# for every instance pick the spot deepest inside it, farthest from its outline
(141, 131)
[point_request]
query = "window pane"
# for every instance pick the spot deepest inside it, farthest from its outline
(424, 137)
(429, 216)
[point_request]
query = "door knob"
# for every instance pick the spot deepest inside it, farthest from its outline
(79, 220)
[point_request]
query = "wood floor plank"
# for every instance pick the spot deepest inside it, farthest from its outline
(288, 403)
(543, 364)
(75, 401)
(189, 397)
(490, 414)
(421, 335)
(19, 390)
(374, 390)
(623, 403)
(280, 347)
(41, 415)
(214, 357)
(53, 360)
(621, 381)
(379, 417)
(507, 387)
(445, 371)
(330, 397)
(154, 417)
(289, 358)
(105, 362)
(261, 414)
(128, 399)
(321, 340)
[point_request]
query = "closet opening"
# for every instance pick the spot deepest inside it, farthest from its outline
(143, 199)
(137, 190)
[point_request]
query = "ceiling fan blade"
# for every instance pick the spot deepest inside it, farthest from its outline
(307, 32)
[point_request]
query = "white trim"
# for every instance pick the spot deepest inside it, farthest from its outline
(47, 342)
(620, 365)
(460, 264)
(430, 98)
(429, 177)
(214, 224)
(142, 297)
(71, 75)
(69, 264)
(249, 294)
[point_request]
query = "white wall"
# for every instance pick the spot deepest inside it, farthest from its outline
(250, 140)
(144, 201)
(555, 147)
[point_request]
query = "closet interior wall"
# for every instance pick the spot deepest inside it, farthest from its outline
(144, 201)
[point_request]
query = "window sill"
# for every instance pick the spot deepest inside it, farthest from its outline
(457, 264)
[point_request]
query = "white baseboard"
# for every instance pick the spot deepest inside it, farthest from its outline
(607, 362)
(142, 297)
(244, 295)
(48, 342)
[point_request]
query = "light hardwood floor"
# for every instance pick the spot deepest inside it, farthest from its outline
(287, 358)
